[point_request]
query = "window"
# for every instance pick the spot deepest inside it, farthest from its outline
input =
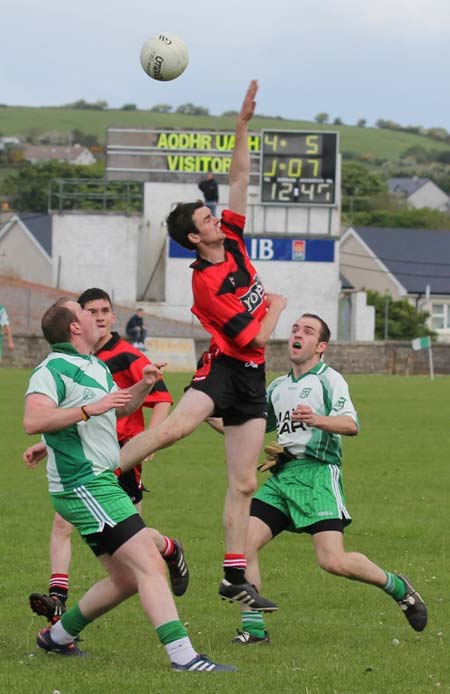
(440, 316)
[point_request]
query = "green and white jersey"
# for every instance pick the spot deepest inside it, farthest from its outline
(84, 450)
(326, 392)
(4, 320)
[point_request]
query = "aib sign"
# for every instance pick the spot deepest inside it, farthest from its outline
(275, 248)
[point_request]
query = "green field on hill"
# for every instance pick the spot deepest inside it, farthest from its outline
(370, 142)
(330, 636)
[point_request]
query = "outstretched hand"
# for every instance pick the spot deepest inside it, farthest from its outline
(152, 373)
(110, 402)
(249, 103)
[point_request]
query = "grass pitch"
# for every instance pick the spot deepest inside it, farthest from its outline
(330, 636)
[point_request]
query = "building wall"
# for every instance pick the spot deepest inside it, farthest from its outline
(430, 195)
(309, 287)
(362, 318)
(85, 158)
(21, 257)
(128, 256)
(97, 250)
(389, 358)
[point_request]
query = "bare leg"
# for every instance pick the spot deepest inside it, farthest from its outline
(156, 536)
(193, 408)
(332, 557)
(60, 545)
(109, 592)
(242, 445)
(137, 565)
(258, 535)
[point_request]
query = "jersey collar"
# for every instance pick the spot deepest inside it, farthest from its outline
(317, 369)
(200, 263)
(112, 342)
(68, 348)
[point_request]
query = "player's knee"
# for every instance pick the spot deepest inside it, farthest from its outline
(246, 487)
(333, 564)
(61, 527)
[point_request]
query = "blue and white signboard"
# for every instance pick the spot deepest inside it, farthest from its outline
(276, 248)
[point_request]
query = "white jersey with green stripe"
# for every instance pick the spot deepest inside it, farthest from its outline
(84, 450)
(326, 392)
(4, 320)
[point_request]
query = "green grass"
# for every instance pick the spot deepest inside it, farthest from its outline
(329, 636)
(372, 142)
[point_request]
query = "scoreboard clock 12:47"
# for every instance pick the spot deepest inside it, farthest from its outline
(298, 167)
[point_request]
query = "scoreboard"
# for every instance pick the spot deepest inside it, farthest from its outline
(298, 167)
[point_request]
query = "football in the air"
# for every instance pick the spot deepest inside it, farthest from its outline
(164, 57)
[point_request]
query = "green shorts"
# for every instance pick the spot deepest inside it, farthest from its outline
(92, 506)
(306, 493)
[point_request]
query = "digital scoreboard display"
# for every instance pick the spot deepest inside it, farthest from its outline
(298, 167)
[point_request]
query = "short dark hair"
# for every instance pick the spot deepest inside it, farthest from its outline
(325, 333)
(180, 223)
(93, 294)
(55, 323)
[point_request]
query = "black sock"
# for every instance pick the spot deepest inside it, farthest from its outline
(234, 575)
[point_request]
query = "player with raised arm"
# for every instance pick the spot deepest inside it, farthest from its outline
(231, 304)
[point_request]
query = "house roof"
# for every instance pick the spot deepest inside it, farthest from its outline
(50, 152)
(38, 225)
(345, 283)
(416, 257)
(407, 186)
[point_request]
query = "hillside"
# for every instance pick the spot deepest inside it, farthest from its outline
(369, 142)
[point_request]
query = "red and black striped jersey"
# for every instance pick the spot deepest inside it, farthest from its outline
(229, 299)
(126, 364)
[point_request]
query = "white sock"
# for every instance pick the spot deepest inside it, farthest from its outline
(180, 651)
(60, 635)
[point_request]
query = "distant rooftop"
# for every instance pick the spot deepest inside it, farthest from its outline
(407, 186)
(40, 226)
(417, 257)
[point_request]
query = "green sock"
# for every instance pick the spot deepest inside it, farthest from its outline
(171, 631)
(395, 586)
(253, 622)
(74, 621)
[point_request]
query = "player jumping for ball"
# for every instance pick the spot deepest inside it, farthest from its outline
(232, 306)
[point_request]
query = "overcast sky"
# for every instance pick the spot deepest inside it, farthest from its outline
(385, 59)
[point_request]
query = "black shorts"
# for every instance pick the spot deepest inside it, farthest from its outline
(237, 388)
(277, 521)
(131, 481)
(110, 539)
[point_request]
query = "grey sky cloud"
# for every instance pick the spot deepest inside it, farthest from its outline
(379, 60)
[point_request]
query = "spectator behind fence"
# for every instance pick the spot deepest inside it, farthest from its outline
(5, 328)
(210, 190)
(135, 329)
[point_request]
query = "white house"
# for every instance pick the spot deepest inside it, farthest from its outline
(75, 154)
(419, 192)
(405, 263)
(26, 247)
(8, 141)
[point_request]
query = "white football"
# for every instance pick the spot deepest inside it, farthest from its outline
(164, 57)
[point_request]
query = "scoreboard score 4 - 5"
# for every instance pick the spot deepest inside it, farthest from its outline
(298, 167)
